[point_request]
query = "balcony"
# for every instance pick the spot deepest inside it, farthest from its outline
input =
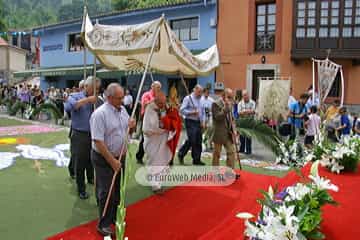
(322, 25)
(342, 48)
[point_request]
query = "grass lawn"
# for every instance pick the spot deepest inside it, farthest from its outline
(4, 122)
(35, 205)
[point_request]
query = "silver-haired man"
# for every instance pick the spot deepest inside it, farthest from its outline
(109, 124)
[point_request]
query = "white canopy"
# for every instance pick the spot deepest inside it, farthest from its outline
(127, 48)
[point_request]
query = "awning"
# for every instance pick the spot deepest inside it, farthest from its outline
(127, 48)
(50, 72)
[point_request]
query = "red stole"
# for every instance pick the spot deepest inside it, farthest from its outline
(172, 122)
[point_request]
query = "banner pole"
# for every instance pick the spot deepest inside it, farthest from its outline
(313, 82)
(342, 87)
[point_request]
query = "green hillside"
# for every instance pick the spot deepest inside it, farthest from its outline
(23, 14)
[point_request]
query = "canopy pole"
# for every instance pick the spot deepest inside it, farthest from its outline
(85, 62)
(132, 116)
(186, 88)
(313, 81)
(342, 87)
(94, 80)
(84, 41)
(152, 77)
(94, 74)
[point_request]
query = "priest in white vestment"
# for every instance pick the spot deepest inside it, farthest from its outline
(155, 141)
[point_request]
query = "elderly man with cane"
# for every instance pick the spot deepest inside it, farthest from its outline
(109, 126)
(224, 128)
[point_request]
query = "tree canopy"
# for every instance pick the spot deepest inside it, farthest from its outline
(2, 17)
(22, 14)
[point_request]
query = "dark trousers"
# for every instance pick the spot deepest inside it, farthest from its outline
(128, 109)
(104, 175)
(245, 145)
(194, 141)
(140, 152)
(71, 166)
(81, 148)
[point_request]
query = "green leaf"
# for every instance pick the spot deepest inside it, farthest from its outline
(302, 212)
(315, 235)
(257, 129)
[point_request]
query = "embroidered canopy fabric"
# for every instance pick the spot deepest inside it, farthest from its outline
(127, 47)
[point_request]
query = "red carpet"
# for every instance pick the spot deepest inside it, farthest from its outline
(209, 212)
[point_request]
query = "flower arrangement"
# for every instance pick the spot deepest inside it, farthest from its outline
(342, 156)
(291, 154)
(292, 214)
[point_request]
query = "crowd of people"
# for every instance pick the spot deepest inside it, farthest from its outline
(32, 96)
(101, 123)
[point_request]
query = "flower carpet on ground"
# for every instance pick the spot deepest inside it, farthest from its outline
(26, 129)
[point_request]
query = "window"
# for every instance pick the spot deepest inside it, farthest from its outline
(26, 42)
(265, 27)
(186, 29)
(336, 87)
(306, 19)
(351, 19)
(329, 19)
(75, 43)
(14, 40)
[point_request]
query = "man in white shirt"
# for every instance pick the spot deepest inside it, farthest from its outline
(246, 109)
(292, 99)
(312, 124)
(206, 102)
(128, 102)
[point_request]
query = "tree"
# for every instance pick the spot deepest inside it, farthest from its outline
(149, 3)
(2, 17)
(123, 4)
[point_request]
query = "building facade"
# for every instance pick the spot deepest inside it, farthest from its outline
(62, 55)
(261, 38)
(12, 59)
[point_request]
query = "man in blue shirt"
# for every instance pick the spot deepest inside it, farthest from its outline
(297, 112)
(194, 122)
(345, 125)
(81, 106)
(357, 127)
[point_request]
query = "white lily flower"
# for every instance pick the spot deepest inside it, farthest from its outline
(314, 170)
(271, 192)
(309, 157)
(325, 161)
(297, 192)
(323, 184)
(336, 167)
(286, 213)
(251, 231)
(276, 230)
